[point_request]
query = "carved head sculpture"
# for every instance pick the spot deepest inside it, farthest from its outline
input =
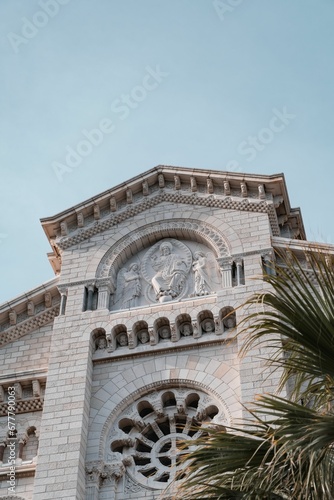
(164, 332)
(122, 339)
(186, 329)
(229, 322)
(208, 326)
(166, 248)
(197, 255)
(143, 336)
(101, 343)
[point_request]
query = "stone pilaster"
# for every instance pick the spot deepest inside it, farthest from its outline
(226, 271)
(104, 295)
(60, 472)
(93, 480)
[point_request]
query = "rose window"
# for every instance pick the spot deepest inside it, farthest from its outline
(150, 434)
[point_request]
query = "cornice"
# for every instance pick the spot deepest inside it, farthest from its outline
(302, 246)
(11, 333)
(214, 189)
(170, 349)
(25, 470)
(225, 202)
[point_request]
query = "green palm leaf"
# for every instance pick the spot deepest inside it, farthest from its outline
(285, 449)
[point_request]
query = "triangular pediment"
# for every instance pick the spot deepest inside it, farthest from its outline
(197, 187)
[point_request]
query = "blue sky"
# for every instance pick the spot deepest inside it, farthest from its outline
(193, 83)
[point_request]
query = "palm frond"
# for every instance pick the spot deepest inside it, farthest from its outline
(285, 450)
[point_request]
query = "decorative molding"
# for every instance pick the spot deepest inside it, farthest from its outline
(33, 323)
(111, 357)
(147, 202)
(204, 231)
(23, 406)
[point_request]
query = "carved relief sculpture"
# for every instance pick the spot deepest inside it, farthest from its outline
(206, 273)
(164, 332)
(129, 286)
(143, 336)
(122, 339)
(186, 329)
(208, 326)
(167, 265)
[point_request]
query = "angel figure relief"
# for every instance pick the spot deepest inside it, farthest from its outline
(128, 286)
(206, 273)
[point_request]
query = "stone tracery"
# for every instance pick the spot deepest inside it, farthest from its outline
(148, 434)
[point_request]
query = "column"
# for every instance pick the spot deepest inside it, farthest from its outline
(91, 289)
(226, 270)
(63, 300)
(104, 291)
(238, 263)
(93, 480)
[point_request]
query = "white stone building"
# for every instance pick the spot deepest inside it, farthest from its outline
(113, 362)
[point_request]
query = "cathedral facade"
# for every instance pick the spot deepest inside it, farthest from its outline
(131, 348)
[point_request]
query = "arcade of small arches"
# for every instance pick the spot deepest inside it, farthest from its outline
(162, 330)
(25, 450)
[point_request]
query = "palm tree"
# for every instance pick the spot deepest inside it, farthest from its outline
(285, 449)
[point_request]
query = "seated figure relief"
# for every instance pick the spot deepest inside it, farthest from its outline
(166, 267)
(167, 271)
(171, 272)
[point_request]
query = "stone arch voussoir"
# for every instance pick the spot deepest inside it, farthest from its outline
(163, 375)
(140, 238)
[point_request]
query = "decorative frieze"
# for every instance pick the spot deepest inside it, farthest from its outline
(30, 308)
(47, 299)
(113, 204)
(227, 188)
(96, 212)
(209, 186)
(177, 182)
(80, 219)
(243, 188)
(129, 196)
(148, 202)
(205, 231)
(262, 193)
(193, 184)
(161, 181)
(63, 229)
(33, 323)
(12, 318)
(145, 188)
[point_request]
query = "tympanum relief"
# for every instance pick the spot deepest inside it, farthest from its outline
(169, 270)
